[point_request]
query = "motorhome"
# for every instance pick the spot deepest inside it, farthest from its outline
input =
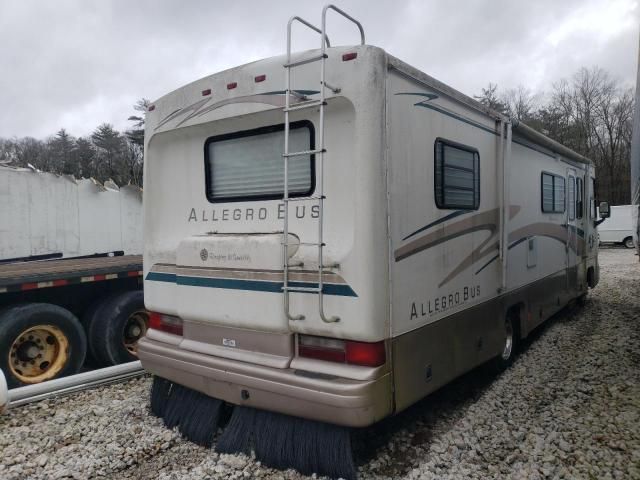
(619, 227)
(334, 234)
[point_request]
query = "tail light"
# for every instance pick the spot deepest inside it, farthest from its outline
(342, 351)
(165, 323)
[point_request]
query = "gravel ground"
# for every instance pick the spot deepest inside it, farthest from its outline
(568, 408)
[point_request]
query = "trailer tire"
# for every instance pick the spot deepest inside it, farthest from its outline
(109, 327)
(40, 341)
(89, 316)
(628, 242)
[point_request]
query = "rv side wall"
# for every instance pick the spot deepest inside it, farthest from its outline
(448, 307)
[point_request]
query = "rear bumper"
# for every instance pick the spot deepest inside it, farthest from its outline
(336, 400)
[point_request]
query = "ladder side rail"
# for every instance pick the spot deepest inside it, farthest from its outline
(345, 15)
(307, 24)
(323, 102)
(285, 240)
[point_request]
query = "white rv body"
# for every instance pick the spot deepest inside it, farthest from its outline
(45, 215)
(432, 285)
(618, 228)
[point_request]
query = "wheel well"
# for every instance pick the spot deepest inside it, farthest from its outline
(516, 312)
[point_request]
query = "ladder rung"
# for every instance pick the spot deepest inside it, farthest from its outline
(305, 61)
(302, 199)
(301, 289)
(303, 105)
(304, 152)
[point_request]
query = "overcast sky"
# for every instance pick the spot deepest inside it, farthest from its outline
(76, 64)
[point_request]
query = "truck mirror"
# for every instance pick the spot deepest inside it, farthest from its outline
(604, 210)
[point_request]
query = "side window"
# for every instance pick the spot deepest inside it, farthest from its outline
(572, 198)
(592, 196)
(456, 176)
(579, 197)
(553, 193)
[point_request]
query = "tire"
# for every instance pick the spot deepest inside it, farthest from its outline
(38, 342)
(88, 318)
(628, 242)
(510, 334)
(110, 327)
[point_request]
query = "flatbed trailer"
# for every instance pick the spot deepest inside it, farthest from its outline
(54, 314)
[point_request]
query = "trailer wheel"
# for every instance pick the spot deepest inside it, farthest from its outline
(38, 342)
(115, 326)
(628, 242)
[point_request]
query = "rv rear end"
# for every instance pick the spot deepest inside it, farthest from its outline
(214, 258)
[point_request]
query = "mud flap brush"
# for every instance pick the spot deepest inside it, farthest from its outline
(281, 441)
(195, 414)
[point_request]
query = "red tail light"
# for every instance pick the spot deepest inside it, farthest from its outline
(366, 354)
(349, 56)
(232, 85)
(260, 78)
(206, 92)
(342, 351)
(165, 323)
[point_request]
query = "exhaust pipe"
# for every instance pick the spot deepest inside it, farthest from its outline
(65, 385)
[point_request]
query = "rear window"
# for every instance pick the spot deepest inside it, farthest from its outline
(249, 165)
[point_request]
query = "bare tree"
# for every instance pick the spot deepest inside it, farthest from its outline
(520, 103)
(136, 134)
(490, 98)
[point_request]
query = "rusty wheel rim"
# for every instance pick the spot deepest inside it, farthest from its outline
(39, 353)
(134, 329)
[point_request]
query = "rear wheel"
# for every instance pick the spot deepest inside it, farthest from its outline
(509, 344)
(115, 326)
(628, 242)
(38, 342)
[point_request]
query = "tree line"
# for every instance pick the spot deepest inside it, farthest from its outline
(105, 154)
(591, 113)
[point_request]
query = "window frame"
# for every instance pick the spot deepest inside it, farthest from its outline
(553, 191)
(259, 131)
(476, 179)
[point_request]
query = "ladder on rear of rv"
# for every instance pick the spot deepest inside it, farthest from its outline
(319, 151)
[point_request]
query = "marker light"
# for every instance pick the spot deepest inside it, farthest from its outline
(260, 78)
(349, 56)
(232, 85)
(342, 351)
(165, 323)
(151, 108)
(206, 92)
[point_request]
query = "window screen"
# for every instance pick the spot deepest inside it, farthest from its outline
(249, 165)
(553, 193)
(457, 176)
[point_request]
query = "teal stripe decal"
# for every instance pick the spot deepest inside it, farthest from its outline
(457, 213)
(342, 290)
(161, 277)
(457, 117)
(431, 106)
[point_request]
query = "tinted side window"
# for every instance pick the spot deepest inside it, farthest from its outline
(457, 176)
(552, 193)
(579, 197)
